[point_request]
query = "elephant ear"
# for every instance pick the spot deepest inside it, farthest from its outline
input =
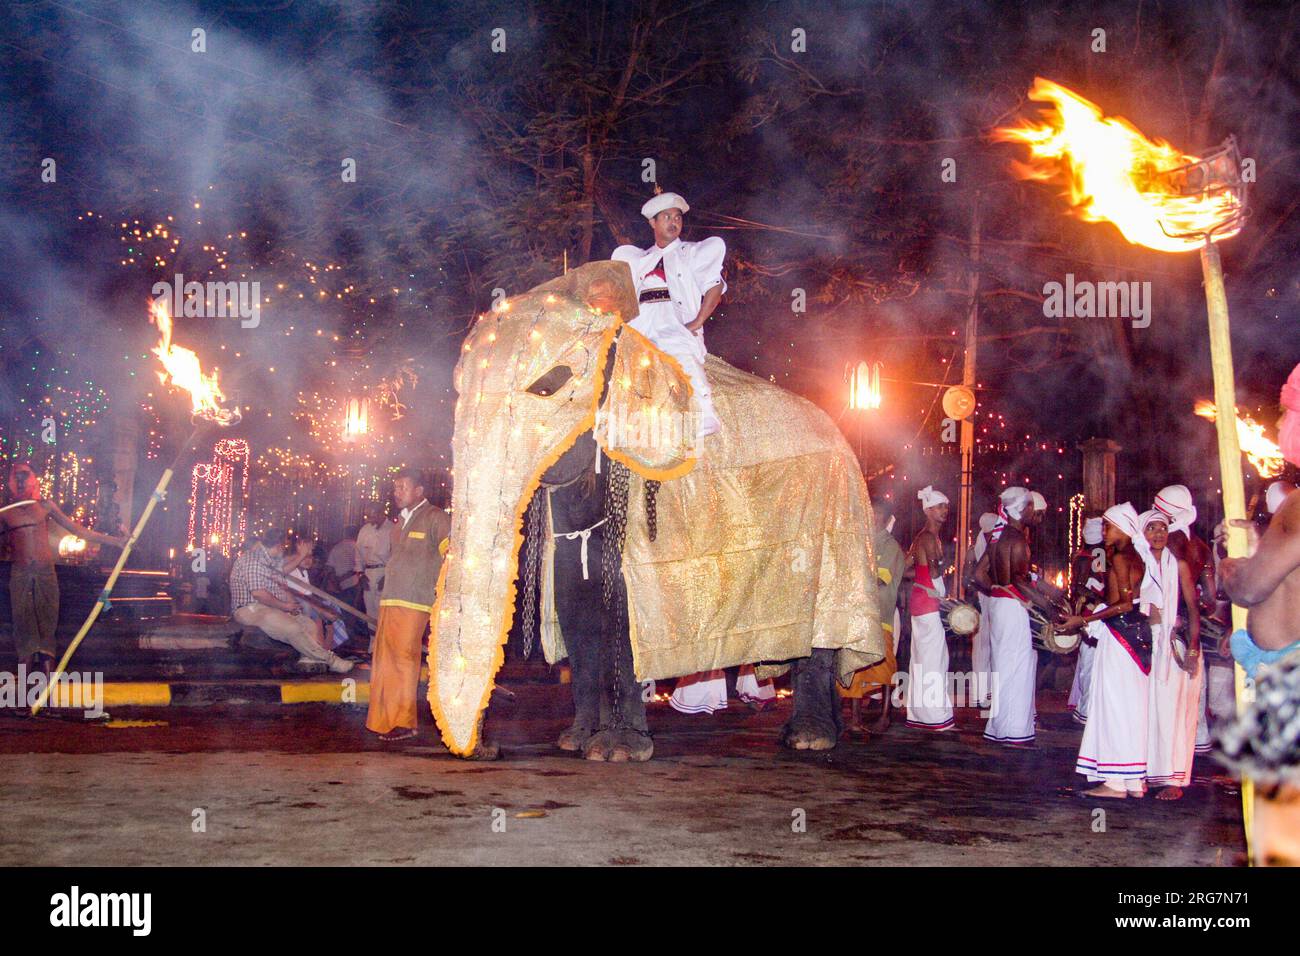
(649, 418)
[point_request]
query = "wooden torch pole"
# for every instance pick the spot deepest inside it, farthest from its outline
(1234, 493)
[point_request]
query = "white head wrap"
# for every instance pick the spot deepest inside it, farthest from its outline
(1276, 494)
(1040, 503)
(929, 497)
(1092, 531)
(1015, 502)
(1125, 517)
(1175, 502)
(664, 201)
(988, 521)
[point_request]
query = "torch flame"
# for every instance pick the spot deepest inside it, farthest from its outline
(1113, 173)
(181, 367)
(1263, 453)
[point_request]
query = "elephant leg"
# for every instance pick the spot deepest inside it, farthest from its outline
(624, 733)
(816, 722)
(582, 635)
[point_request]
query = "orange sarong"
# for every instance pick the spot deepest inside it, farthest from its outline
(395, 668)
(869, 679)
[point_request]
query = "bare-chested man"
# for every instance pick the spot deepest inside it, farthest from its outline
(929, 700)
(33, 585)
(1267, 580)
(1011, 589)
(1114, 746)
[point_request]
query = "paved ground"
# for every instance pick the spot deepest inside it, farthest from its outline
(303, 784)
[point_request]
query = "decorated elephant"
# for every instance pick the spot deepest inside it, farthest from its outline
(664, 554)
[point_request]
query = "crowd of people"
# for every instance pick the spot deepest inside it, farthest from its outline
(364, 602)
(1141, 587)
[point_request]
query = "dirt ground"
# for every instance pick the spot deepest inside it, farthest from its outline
(306, 784)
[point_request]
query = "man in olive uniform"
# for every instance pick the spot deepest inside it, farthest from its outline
(407, 598)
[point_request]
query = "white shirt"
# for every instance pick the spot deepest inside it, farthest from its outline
(691, 268)
(408, 512)
(374, 544)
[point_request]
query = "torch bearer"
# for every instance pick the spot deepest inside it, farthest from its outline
(182, 369)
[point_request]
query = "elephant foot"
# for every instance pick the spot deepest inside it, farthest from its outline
(599, 745)
(631, 746)
(573, 739)
(485, 750)
(803, 733)
(620, 745)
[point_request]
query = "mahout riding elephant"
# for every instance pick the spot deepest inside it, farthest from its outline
(664, 554)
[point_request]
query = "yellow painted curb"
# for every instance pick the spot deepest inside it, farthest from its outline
(137, 695)
(319, 692)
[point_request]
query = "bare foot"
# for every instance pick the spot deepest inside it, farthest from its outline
(1170, 793)
(1104, 791)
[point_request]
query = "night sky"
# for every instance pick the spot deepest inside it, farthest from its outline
(479, 170)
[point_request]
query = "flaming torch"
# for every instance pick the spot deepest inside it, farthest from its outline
(181, 369)
(1164, 199)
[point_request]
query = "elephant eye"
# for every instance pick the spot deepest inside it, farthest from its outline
(552, 381)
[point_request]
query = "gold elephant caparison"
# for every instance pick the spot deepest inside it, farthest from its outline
(763, 550)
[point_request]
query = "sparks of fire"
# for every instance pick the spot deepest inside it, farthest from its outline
(1263, 453)
(181, 369)
(1113, 173)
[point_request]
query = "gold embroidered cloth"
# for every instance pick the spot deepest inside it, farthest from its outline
(764, 550)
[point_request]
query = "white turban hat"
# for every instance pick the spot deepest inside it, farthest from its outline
(1276, 494)
(1040, 503)
(1092, 529)
(664, 201)
(1015, 501)
(1175, 501)
(929, 497)
(988, 521)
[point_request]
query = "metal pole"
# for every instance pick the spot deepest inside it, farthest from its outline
(1234, 493)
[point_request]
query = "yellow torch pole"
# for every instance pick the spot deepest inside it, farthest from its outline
(102, 601)
(1234, 493)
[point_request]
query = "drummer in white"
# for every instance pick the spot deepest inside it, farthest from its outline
(678, 284)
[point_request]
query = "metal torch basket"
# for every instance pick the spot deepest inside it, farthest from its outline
(1218, 172)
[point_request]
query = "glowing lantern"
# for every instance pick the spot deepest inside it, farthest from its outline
(864, 385)
(356, 419)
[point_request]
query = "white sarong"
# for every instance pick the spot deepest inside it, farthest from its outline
(929, 702)
(750, 689)
(700, 693)
(1014, 668)
(1218, 703)
(1078, 703)
(981, 652)
(1114, 745)
(1172, 719)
